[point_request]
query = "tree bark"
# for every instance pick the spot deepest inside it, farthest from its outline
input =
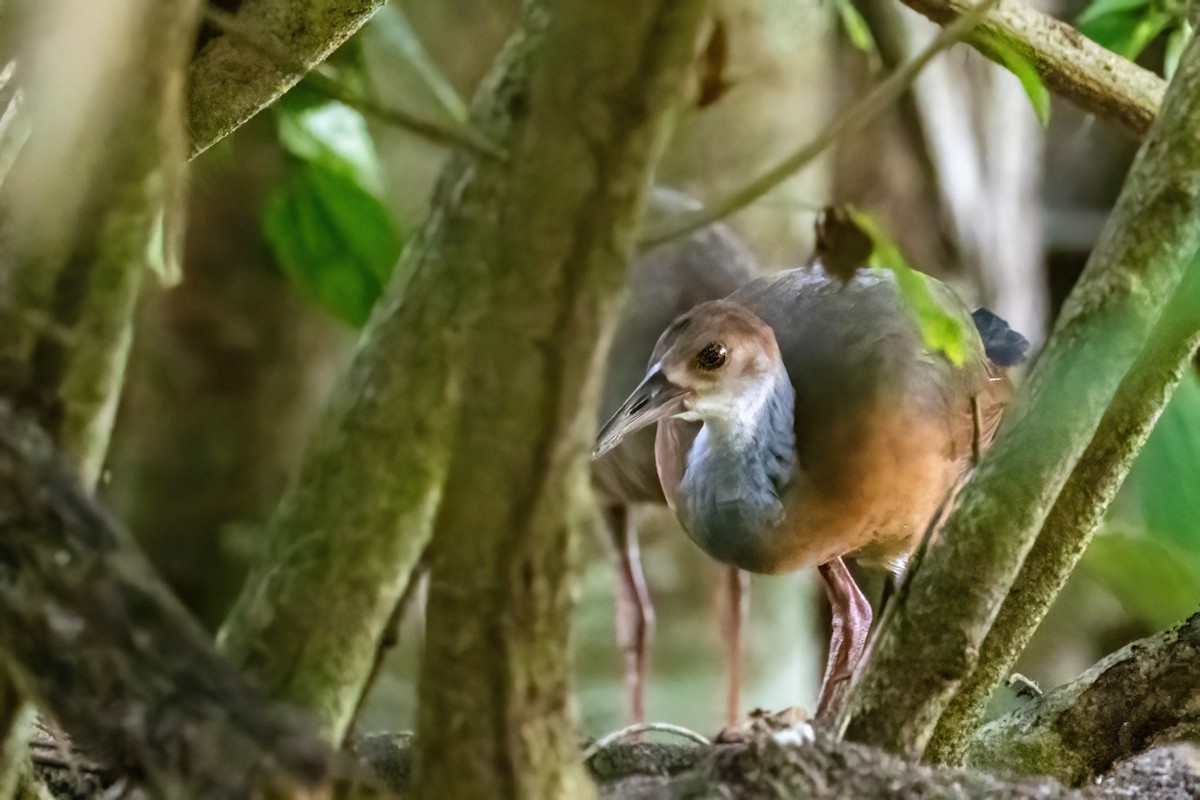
(91, 633)
(487, 330)
(232, 80)
(1077, 513)
(494, 697)
(1145, 694)
(1070, 64)
(798, 763)
(91, 205)
(921, 656)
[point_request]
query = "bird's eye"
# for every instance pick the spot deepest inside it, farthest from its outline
(711, 357)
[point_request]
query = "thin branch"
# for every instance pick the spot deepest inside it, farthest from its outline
(865, 111)
(1077, 512)
(919, 661)
(1070, 64)
(399, 32)
(1145, 694)
(325, 80)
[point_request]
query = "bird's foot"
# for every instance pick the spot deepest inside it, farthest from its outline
(791, 720)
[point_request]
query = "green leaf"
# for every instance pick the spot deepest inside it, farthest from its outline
(857, 31)
(327, 224)
(1009, 57)
(1164, 474)
(1178, 39)
(1104, 8)
(333, 238)
(332, 134)
(1155, 581)
(1152, 564)
(1125, 32)
(942, 329)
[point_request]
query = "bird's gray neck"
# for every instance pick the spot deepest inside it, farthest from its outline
(736, 472)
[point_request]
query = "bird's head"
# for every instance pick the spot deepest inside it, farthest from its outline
(711, 363)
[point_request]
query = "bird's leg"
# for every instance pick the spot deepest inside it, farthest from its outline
(737, 584)
(635, 613)
(851, 623)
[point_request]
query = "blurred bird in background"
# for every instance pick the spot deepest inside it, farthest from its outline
(664, 282)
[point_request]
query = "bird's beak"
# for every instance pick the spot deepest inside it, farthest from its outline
(655, 398)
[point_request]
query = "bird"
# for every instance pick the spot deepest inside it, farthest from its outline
(802, 420)
(664, 281)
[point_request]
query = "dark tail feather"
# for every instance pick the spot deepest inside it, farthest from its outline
(1004, 346)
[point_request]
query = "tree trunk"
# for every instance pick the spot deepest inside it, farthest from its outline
(921, 656)
(486, 333)
(1077, 513)
(93, 203)
(494, 718)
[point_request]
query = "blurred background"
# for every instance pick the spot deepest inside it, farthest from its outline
(297, 220)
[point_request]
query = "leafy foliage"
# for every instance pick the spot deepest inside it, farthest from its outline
(1127, 27)
(942, 329)
(1009, 57)
(326, 223)
(1149, 556)
(858, 31)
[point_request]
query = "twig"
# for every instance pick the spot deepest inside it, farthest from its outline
(325, 80)
(858, 116)
(644, 727)
(394, 24)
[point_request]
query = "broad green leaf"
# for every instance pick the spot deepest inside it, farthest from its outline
(1126, 33)
(1164, 476)
(1152, 564)
(1104, 8)
(326, 224)
(942, 329)
(332, 237)
(857, 30)
(1156, 581)
(1178, 39)
(1012, 60)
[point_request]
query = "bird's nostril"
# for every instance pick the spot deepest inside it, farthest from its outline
(639, 405)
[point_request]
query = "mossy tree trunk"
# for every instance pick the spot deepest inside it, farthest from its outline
(922, 656)
(90, 206)
(468, 404)
(585, 119)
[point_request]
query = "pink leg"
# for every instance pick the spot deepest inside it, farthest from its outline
(635, 613)
(737, 585)
(851, 623)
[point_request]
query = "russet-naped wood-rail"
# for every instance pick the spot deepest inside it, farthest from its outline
(664, 282)
(803, 419)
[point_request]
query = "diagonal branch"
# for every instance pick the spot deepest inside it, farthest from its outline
(919, 661)
(92, 633)
(1070, 64)
(1145, 694)
(1077, 512)
(862, 113)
